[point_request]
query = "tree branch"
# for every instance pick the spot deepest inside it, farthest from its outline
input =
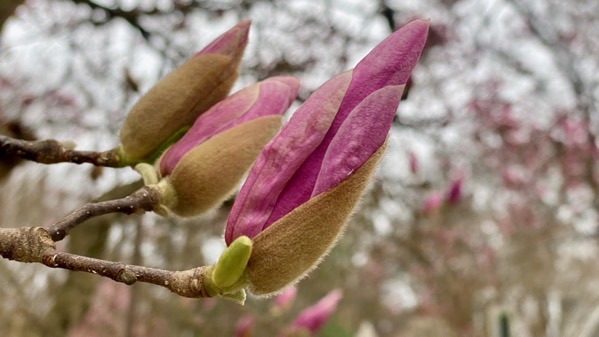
(145, 199)
(188, 283)
(34, 244)
(52, 151)
(132, 17)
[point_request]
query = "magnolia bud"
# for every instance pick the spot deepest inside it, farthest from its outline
(293, 245)
(208, 174)
(307, 181)
(176, 100)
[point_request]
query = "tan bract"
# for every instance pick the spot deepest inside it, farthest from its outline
(175, 102)
(292, 246)
(209, 173)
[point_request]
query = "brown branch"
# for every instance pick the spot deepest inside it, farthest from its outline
(34, 244)
(132, 17)
(188, 283)
(145, 199)
(52, 151)
(26, 244)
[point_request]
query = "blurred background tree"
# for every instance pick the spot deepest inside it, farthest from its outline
(483, 219)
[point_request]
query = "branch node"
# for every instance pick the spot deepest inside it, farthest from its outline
(25, 244)
(126, 276)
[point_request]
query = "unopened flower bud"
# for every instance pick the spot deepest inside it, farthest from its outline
(291, 247)
(208, 174)
(205, 166)
(176, 100)
(307, 181)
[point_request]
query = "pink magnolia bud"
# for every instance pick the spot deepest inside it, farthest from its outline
(231, 42)
(270, 97)
(307, 180)
(177, 99)
(314, 317)
(454, 194)
(204, 166)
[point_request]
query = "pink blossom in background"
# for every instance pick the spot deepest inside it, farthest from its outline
(285, 299)
(314, 317)
(432, 202)
(413, 160)
(244, 326)
(454, 194)
(106, 312)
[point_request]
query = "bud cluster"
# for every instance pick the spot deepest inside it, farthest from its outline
(194, 144)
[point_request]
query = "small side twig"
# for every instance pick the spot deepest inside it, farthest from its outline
(145, 199)
(187, 283)
(52, 152)
(34, 244)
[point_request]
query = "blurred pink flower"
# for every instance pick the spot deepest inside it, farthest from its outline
(244, 326)
(413, 162)
(454, 194)
(432, 202)
(314, 317)
(284, 300)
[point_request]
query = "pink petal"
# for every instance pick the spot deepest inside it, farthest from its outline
(432, 202)
(281, 157)
(286, 173)
(314, 317)
(360, 135)
(229, 42)
(388, 64)
(271, 96)
(284, 299)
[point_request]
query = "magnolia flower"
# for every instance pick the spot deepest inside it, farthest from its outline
(313, 318)
(203, 168)
(308, 179)
(176, 100)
